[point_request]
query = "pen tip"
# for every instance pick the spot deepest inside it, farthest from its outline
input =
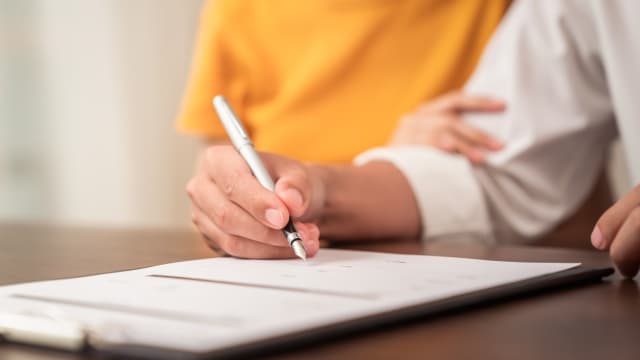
(299, 250)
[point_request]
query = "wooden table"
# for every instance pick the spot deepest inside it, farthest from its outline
(599, 321)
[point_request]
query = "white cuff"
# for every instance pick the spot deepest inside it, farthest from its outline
(449, 198)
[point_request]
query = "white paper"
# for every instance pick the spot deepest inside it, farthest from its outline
(204, 305)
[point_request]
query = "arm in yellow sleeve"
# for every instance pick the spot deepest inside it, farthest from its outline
(212, 73)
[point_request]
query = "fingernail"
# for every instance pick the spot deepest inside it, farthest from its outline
(275, 217)
(294, 196)
(596, 238)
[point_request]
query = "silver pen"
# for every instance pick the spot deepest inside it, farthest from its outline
(244, 146)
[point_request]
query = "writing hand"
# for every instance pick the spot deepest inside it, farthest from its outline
(236, 214)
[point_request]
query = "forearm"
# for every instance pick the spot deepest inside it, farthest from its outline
(373, 201)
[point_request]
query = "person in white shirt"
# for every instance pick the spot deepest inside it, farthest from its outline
(568, 70)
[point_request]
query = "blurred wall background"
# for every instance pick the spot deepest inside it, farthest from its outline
(89, 90)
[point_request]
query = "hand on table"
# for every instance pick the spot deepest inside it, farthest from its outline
(618, 230)
(239, 216)
(439, 124)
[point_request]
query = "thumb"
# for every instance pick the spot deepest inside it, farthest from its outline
(294, 191)
(293, 184)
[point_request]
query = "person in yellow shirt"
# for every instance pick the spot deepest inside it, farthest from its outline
(323, 80)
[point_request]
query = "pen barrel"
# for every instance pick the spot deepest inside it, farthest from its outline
(244, 146)
(237, 134)
(257, 168)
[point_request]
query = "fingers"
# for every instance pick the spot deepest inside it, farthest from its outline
(439, 124)
(245, 248)
(237, 214)
(293, 185)
(475, 137)
(232, 219)
(618, 229)
(467, 140)
(234, 181)
(249, 249)
(455, 143)
(611, 221)
(461, 102)
(625, 249)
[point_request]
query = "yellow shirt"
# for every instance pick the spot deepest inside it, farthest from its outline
(322, 80)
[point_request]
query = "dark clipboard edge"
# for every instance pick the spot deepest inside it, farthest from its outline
(568, 278)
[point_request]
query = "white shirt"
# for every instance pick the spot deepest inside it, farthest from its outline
(569, 71)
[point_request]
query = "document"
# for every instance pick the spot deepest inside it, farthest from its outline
(209, 304)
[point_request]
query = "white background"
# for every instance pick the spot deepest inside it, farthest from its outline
(89, 91)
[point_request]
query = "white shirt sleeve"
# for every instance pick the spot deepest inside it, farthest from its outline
(449, 198)
(543, 61)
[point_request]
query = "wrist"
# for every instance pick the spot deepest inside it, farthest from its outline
(355, 202)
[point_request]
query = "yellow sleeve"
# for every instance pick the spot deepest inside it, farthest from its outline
(212, 73)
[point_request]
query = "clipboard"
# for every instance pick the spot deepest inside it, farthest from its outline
(58, 333)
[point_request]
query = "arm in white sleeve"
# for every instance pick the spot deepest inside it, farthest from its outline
(449, 198)
(543, 61)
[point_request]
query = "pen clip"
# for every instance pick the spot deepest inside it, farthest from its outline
(231, 122)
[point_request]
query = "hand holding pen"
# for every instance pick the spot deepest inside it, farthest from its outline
(239, 215)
